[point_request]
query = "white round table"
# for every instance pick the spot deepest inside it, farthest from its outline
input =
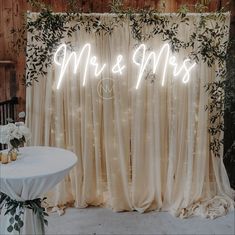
(36, 171)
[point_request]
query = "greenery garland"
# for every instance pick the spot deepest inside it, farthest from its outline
(16, 210)
(205, 44)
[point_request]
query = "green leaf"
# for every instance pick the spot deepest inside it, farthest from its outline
(45, 222)
(10, 228)
(13, 211)
(11, 220)
(17, 217)
(20, 223)
(16, 227)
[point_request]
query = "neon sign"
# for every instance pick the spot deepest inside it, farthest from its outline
(141, 58)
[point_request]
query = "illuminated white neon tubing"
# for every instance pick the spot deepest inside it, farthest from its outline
(186, 77)
(65, 61)
(117, 68)
(145, 61)
(93, 62)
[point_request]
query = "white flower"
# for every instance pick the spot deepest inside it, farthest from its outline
(6, 133)
(17, 134)
(12, 131)
(25, 131)
(21, 115)
(3, 134)
(10, 127)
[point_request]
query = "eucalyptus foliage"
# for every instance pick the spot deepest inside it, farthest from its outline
(16, 210)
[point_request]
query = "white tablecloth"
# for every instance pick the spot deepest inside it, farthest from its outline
(37, 170)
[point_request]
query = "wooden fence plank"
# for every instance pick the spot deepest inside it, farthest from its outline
(2, 84)
(2, 43)
(7, 25)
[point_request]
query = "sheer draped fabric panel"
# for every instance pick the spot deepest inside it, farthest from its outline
(144, 149)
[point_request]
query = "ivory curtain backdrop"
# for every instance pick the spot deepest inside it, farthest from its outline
(142, 149)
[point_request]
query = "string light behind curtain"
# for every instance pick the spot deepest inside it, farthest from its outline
(140, 149)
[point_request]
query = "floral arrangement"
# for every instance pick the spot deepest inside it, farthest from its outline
(14, 134)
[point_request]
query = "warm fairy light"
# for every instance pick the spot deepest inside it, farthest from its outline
(141, 57)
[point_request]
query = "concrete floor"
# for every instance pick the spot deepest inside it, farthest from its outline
(94, 221)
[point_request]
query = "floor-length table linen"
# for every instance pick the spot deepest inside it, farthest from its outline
(36, 171)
